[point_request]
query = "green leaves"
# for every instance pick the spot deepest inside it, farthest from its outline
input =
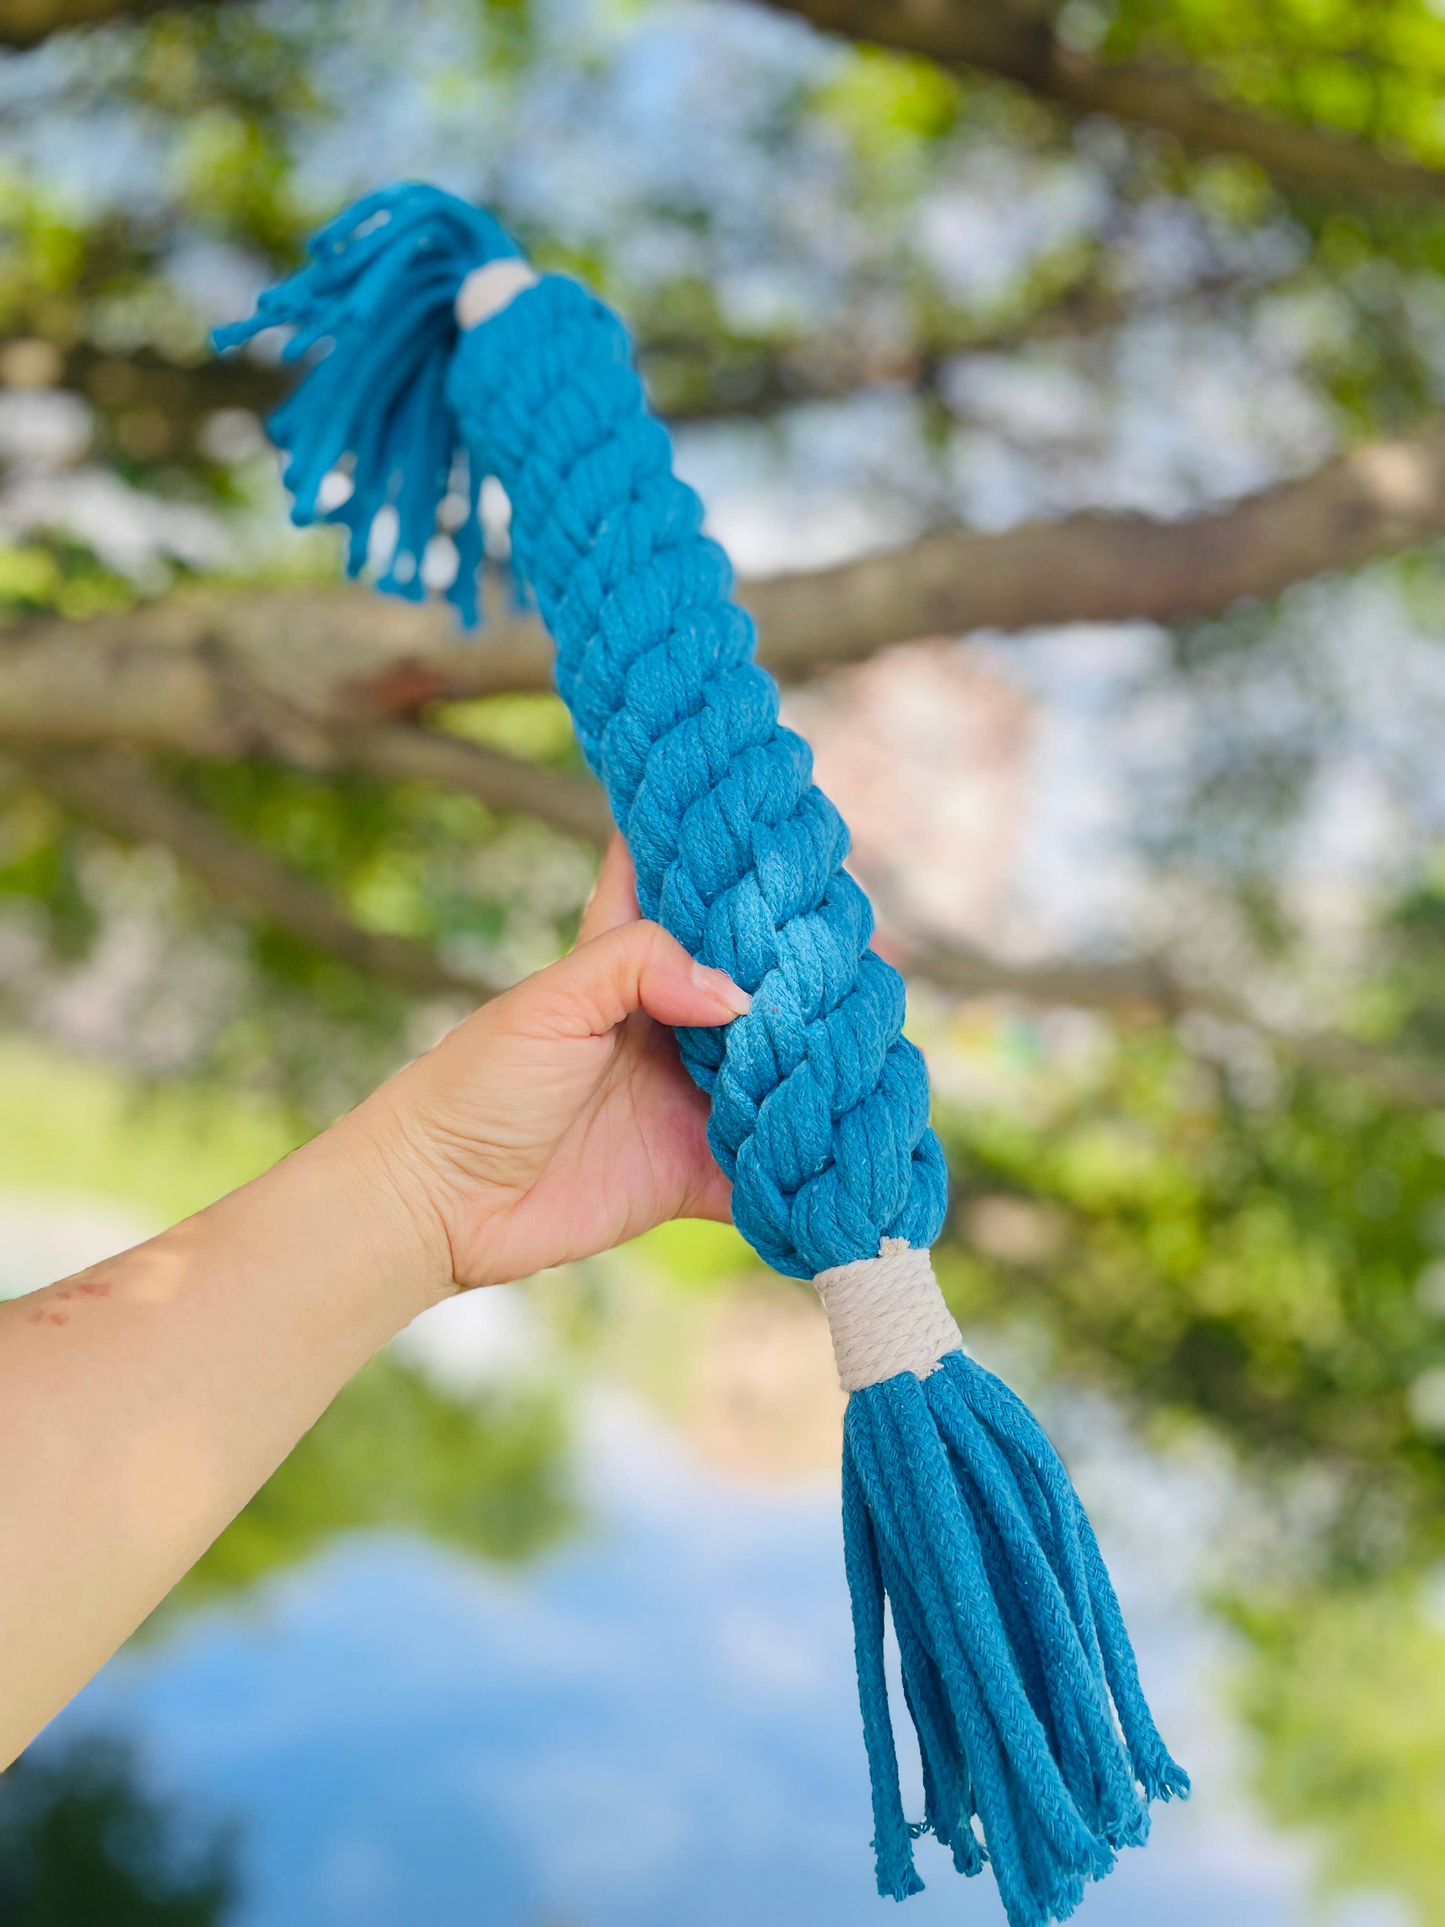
(1372, 69)
(1345, 1693)
(83, 1839)
(1249, 1264)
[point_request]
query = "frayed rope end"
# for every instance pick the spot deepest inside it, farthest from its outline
(1017, 1670)
(380, 284)
(902, 1885)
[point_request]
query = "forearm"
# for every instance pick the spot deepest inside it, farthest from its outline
(143, 1402)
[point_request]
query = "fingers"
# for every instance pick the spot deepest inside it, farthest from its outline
(614, 897)
(631, 966)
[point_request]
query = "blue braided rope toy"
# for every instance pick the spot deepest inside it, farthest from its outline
(1038, 1750)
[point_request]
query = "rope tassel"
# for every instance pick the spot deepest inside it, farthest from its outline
(449, 355)
(1017, 1671)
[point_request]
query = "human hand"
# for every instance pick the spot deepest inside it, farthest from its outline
(558, 1121)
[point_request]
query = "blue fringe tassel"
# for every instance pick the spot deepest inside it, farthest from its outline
(380, 286)
(1017, 1670)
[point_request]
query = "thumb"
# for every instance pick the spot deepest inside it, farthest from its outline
(636, 966)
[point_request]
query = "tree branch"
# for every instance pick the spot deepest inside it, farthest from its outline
(325, 660)
(1150, 986)
(400, 752)
(154, 408)
(1022, 46)
(1376, 500)
(316, 679)
(117, 793)
(25, 23)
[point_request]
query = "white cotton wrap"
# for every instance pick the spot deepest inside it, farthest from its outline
(886, 1315)
(487, 290)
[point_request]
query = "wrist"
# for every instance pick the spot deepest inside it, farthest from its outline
(375, 1157)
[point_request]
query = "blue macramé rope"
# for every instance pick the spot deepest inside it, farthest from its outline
(820, 1105)
(1017, 1670)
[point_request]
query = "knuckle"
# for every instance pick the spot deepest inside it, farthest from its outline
(645, 936)
(662, 946)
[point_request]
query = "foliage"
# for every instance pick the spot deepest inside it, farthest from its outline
(1370, 71)
(1368, 68)
(1248, 1256)
(1346, 1695)
(1257, 1253)
(82, 1839)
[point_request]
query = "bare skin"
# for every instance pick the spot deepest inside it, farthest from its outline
(142, 1402)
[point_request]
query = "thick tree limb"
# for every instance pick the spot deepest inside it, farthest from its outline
(312, 679)
(1020, 45)
(1378, 499)
(191, 671)
(117, 793)
(219, 673)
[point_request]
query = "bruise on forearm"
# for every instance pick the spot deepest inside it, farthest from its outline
(52, 1304)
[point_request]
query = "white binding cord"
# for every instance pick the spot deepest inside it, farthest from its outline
(886, 1315)
(487, 290)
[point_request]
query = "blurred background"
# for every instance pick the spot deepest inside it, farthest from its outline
(1065, 382)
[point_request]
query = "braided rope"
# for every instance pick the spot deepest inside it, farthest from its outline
(885, 1313)
(819, 1104)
